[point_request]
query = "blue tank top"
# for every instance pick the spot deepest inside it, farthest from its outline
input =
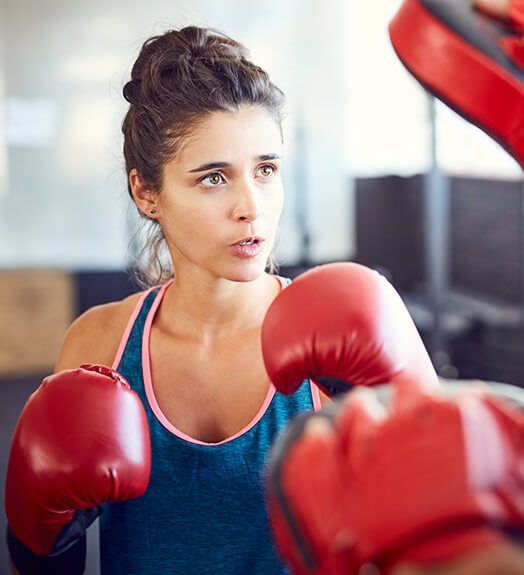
(204, 510)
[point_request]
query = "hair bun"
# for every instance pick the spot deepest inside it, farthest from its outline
(181, 49)
(130, 91)
(209, 43)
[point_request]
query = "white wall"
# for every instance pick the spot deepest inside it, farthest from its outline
(3, 148)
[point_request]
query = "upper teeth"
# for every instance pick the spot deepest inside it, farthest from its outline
(246, 242)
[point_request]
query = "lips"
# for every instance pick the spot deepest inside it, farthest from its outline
(248, 247)
(250, 240)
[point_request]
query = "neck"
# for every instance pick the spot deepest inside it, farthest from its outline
(207, 311)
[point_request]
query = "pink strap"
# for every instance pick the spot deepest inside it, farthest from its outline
(315, 395)
(129, 327)
(283, 282)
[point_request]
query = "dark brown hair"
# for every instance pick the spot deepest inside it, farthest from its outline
(178, 79)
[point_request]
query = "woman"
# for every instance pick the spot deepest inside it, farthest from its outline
(203, 151)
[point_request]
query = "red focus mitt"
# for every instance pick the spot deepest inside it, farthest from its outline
(424, 480)
(473, 63)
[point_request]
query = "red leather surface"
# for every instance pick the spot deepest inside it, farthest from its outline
(82, 439)
(345, 321)
(428, 481)
(476, 86)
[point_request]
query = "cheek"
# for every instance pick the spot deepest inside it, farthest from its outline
(277, 202)
(182, 224)
(189, 216)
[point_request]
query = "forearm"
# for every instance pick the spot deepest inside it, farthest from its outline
(507, 559)
(504, 9)
(14, 570)
(499, 8)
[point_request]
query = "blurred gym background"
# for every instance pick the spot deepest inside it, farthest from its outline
(375, 171)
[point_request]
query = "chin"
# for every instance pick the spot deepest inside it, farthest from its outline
(246, 273)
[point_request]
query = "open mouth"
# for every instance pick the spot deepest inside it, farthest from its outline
(250, 241)
(249, 247)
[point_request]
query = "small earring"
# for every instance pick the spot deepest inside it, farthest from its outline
(151, 212)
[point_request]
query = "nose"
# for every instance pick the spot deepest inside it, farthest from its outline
(247, 206)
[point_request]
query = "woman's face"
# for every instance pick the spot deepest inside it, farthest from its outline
(222, 195)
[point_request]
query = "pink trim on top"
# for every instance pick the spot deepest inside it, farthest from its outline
(150, 393)
(129, 327)
(315, 395)
(283, 282)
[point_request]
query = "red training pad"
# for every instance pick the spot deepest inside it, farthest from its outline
(429, 480)
(471, 62)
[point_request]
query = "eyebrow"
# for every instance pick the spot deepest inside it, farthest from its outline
(218, 165)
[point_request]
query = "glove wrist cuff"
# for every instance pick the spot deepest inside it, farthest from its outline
(71, 561)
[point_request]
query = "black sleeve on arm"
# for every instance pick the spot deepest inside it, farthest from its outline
(68, 554)
(69, 562)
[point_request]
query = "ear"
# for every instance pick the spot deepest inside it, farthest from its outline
(145, 198)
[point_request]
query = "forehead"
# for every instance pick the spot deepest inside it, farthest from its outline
(248, 131)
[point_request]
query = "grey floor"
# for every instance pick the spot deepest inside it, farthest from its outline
(13, 394)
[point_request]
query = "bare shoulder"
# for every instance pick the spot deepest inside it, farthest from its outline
(95, 335)
(324, 399)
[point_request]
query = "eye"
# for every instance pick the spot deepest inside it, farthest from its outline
(211, 180)
(266, 170)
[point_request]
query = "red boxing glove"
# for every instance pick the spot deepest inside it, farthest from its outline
(425, 482)
(82, 440)
(342, 324)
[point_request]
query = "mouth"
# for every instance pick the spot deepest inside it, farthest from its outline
(254, 240)
(247, 248)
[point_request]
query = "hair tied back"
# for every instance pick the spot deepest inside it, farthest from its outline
(131, 91)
